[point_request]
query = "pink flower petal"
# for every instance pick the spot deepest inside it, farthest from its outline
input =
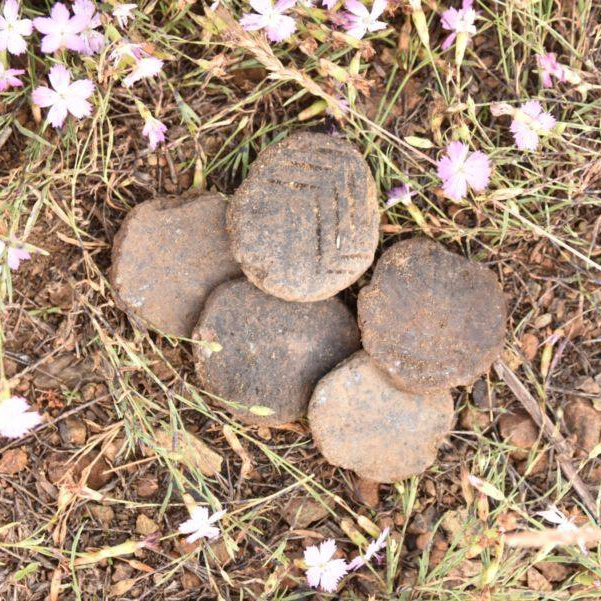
(313, 576)
(525, 138)
(15, 418)
(261, 6)
(11, 10)
(284, 5)
(44, 25)
(284, 28)
(455, 187)
(477, 171)
(58, 113)
(23, 27)
(51, 43)
(43, 96)
(253, 22)
(450, 18)
(378, 7)
(356, 8)
(15, 43)
(448, 41)
(332, 574)
(60, 78)
(546, 121)
(60, 14)
(79, 107)
(83, 88)
(532, 108)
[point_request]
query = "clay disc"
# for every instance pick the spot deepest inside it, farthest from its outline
(304, 223)
(273, 352)
(430, 318)
(167, 256)
(361, 422)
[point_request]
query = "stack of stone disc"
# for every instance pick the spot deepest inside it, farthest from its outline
(430, 320)
(303, 226)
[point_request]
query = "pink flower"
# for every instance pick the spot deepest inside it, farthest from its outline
(61, 30)
(93, 41)
(14, 254)
(15, 419)
(322, 570)
(149, 66)
(458, 21)
(550, 68)
(145, 65)
(461, 168)
(66, 97)
(529, 121)
(271, 18)
(358, 21)
(329, 4)
(400, 194)
(154, 130)
(127, 49)
(8, 78)
(372, 551)
(200, 524)
(123, 13)
(13, 29)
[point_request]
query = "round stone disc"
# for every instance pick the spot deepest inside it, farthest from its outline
(273, 352)
(304, 223)
(168, 255)
(361, 422)
(430, 318)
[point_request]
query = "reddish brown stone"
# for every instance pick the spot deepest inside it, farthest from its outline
(273, 352)
(304, 223)
(360, 421)
(430, 318)
(584, 422)
(168, 256)
(518, 429)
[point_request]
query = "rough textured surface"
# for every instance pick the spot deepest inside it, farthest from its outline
(168, 256)
(361, 422)
(430, 318)
(304, 223)
(273, 351)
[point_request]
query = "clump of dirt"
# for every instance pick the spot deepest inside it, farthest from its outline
(273, 352)
(168, 256)
(360, 421)
(304, 223)
(430, 318)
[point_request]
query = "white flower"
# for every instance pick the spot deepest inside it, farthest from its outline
(372, 550)
(199, 525)
(149, 66)
(123, 13)
(271, 18)
(15, 418)
(358, 21)
(322, 570)
(13, 29)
